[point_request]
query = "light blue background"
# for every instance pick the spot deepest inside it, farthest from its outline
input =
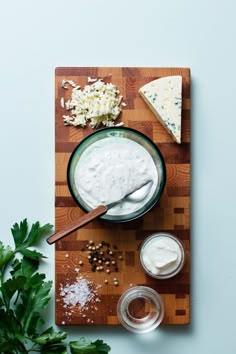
(37, 36)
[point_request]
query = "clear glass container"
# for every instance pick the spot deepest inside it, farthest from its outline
(140, 309)
(162, 255)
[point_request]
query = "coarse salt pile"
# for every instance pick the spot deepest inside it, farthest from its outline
(79, 293)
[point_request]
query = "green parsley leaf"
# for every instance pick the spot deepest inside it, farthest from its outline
(6, 254)
(54, 348)
(25, 267)
(50, 337)
(6, 347)
(10, 327)
(19, 232)
(34, 255)
(34, 301)
(85, 346)
(24, 295)
(10, 287)
(36, 232)
(101, 346)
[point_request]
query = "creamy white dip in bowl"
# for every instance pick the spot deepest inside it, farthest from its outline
(162, 255)
(112, 162)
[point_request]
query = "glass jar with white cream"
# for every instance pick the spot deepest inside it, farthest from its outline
(162, 255)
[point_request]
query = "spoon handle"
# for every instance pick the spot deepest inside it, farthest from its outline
(93, 214)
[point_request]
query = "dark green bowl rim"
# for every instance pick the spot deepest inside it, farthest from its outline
(162, 185)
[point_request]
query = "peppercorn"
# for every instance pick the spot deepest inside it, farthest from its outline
(93, 268)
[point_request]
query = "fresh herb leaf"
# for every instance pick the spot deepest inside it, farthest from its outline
(85, 346)
(34, 301)
(36, 232)
(6, 254)
(34, 255)
(24, 295)
(10, 287)
(6, 347)
(10, 328)
(19, 232)
(54, 348)
(25, 267)
(50, 337)
(101, 346)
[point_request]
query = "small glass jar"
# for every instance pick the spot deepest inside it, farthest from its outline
(162, 255)
(140, 309)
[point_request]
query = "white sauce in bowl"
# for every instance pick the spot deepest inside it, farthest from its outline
(110, 169)
(162, 255)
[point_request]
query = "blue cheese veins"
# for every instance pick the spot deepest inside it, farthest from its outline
(164, 97)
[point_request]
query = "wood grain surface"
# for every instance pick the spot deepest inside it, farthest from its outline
(171, 214)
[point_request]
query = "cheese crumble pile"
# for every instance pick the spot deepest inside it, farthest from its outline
(98, 103)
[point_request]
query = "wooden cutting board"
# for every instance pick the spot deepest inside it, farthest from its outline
(171, 214)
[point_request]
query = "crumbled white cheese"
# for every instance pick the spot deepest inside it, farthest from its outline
(97, 104)
(71, 82)
(62, 102)
(91, 80)
(119, 124)
(68, 105)
(65, 82)
(67, 119)
(120, 99)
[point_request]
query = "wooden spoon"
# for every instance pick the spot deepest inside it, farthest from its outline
(84, 220)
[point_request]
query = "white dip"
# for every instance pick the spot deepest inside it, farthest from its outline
(113, 167)
(161, 255)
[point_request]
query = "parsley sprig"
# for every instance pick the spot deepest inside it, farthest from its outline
(25, 294)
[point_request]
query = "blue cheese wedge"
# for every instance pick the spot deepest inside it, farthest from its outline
(164, 97)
